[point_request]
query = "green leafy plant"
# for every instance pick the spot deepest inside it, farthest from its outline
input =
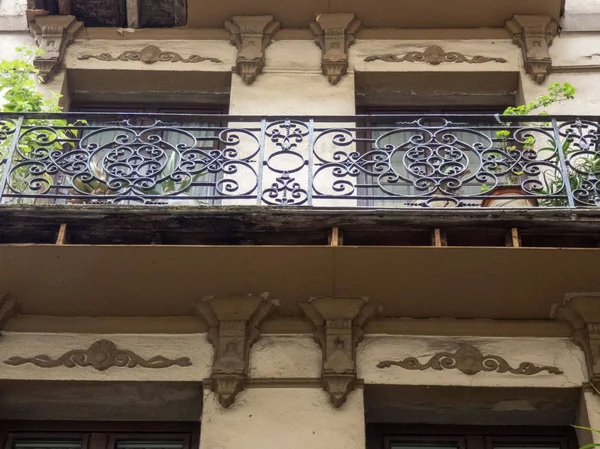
(556, 92)
(19, 94)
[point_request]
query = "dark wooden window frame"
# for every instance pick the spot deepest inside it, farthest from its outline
(100, 435)
(381, 436)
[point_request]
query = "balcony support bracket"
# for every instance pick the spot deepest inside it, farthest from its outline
(582, 312)
(251, 35)
(338, 329)
(233, 323)
(534, 34)
(334, 33)
(52, 34)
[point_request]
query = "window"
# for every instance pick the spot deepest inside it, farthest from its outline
(380, 436)
(79, 435)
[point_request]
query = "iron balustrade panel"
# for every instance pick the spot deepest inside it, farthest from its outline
(385, 161)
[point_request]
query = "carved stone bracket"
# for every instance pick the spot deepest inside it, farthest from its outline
(251, 35)
(534, 35)
(468, 360)
(338, 326)
(101, 355)
(583, 314)
(434, 55)
(232, 329)
(334, 34)
(149, 55)
(8, 309)
(52, 34)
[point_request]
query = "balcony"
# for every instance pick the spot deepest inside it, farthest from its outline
(384, 161)
(155, 211)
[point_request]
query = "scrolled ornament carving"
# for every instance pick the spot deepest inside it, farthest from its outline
(468, 360)
(101, 356)
(434, 55)
(149, 55)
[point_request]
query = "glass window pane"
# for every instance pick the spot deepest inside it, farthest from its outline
(46, 444)
(149, 444)
(413, 445)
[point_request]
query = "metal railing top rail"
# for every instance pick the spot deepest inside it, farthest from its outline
(495, 118)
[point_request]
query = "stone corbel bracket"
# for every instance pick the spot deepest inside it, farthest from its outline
(334, 35)
(534, 34)
(583, 315)
(52, 34)
(8, 309)
(233, 323)
(251, 35)
(338, 324)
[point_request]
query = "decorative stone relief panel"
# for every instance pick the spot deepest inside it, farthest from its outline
(469, 360)
(149, 55)
(534, 34)
(232, 329)
(338, 324)
(334, 34)
(434, 55)
(101, 356)
(52, 34)
(251, 35)
(583, 314)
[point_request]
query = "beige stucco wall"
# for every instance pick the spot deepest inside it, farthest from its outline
(291, 418)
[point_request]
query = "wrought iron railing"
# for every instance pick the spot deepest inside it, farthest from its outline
(393, 161)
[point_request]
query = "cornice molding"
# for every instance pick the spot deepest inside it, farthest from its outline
(233, 323)
(338, 329)
(434, 55)
(582, 313)
(52, 34)
(534, 34)
(334, 34)
(251, 35)
(149, 55)
(101, 356)
(468, 360)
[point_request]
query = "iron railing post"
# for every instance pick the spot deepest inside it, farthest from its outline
(564, 170)
(9, 156)
(311, 142)
(261, 162)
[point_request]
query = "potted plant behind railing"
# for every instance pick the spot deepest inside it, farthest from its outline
(18, 94)
(517, 150)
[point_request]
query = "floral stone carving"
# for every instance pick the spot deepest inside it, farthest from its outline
(149, 55)
(468, 360)
(232, 329)
(101, 356)
(334, 34)
(338, 324)
(251, 35)
(434, 55)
